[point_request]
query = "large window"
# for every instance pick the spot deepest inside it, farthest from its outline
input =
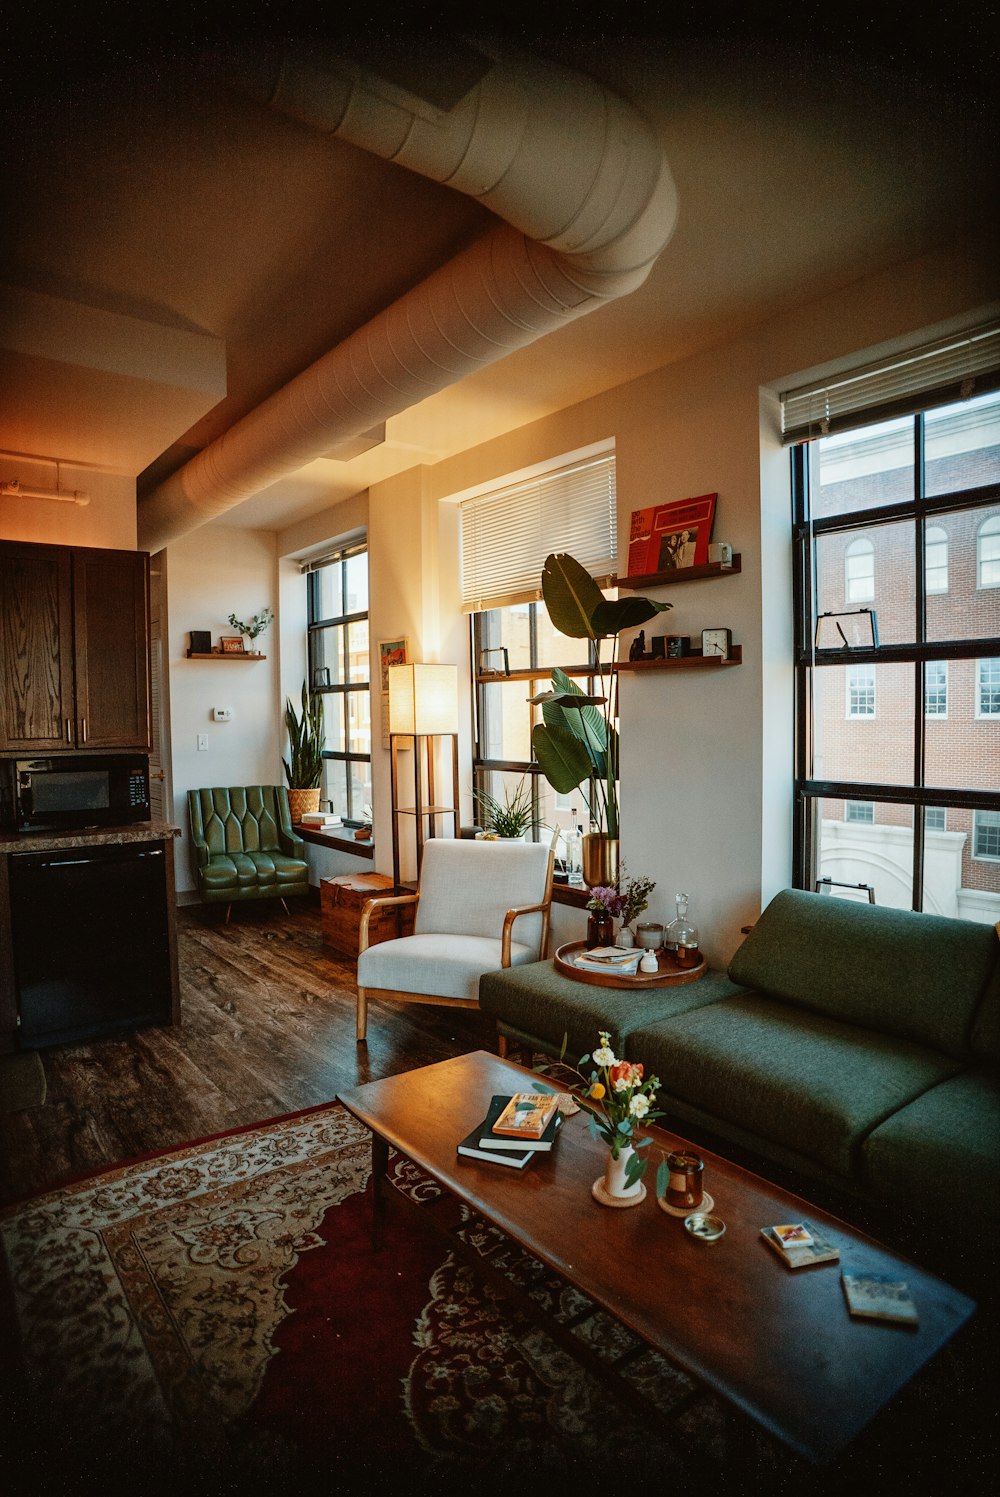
(506, 535)
(339, 671)
(903, 515)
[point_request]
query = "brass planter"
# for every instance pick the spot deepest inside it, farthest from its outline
(600, 860)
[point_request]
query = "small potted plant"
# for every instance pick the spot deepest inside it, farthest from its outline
(256, 626)
(509, 819)
(635, 894)
(304, 765)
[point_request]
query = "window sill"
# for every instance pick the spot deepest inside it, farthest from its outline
(365, 849)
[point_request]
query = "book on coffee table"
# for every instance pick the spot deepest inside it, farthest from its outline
(526, 1115)
(480, 1143)
(490, 1139)
(800, 1254)
(875, 1296)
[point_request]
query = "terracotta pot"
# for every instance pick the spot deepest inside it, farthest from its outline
(600, 860)
(301, 801)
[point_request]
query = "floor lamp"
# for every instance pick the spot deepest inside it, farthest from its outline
(423, 709)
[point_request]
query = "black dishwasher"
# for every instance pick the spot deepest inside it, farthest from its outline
(90, 938)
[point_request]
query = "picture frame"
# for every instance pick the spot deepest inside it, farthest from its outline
(232, 644)
(390, 652)
(670, 537)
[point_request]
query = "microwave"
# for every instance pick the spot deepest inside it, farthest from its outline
(76, 793)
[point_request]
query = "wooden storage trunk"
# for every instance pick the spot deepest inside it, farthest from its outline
(341, 902)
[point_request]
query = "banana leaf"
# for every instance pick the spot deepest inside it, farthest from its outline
(562, 757)
(571, 596)
(612, 615)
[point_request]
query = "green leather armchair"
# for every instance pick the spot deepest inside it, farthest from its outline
(244, 846)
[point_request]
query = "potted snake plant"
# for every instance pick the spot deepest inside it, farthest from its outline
(304, 765)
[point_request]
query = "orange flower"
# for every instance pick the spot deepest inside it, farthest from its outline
(624, 1075)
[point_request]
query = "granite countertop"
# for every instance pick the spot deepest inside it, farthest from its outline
(105, 836)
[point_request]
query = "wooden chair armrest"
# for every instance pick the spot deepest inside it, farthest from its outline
(508, 925)
(379, 902)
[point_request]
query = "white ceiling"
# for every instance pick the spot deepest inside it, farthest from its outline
(148, 192)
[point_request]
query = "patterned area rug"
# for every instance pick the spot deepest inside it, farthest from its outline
(215, 1320)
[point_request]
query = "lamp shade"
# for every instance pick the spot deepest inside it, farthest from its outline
(423, 699)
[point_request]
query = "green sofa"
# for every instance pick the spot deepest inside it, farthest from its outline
(244, 846)
(853, 1045)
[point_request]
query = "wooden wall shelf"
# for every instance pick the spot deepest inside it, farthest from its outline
(234, 655)
(683, 574)
(685, 662)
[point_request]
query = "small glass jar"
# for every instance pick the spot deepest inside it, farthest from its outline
(649, 935)
(600, 929)
(684, 1183)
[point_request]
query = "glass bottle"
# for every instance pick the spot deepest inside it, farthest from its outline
(681, 937)
(574, 850)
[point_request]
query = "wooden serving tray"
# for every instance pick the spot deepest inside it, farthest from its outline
(669, 970)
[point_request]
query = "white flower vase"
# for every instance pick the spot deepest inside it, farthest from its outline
(611, 1189)
(625, 938)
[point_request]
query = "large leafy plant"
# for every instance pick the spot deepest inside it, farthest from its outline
(304, 765)
(577, 739)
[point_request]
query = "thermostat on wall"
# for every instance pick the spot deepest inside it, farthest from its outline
(222, 714)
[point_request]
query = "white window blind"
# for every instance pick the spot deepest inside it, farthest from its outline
(508, 532)
(936, 374)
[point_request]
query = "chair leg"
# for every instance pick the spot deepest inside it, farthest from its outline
(229, 911)
(284, 906)
(362, 1015)
(503, 1045)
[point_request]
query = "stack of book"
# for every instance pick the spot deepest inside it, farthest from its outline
(621, 960)
(800, 1245)
(515, 1129)
(320, 819)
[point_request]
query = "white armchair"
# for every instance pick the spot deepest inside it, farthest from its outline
(480, 906)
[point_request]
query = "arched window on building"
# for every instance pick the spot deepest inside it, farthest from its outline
(859, 571)
(936, 559)
(988, 553)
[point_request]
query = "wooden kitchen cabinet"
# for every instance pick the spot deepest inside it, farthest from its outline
(74, 629)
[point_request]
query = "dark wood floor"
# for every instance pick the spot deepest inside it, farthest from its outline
(267, 1028)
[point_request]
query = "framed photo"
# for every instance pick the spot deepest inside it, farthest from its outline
(232, 644)
(668, 537)
(390, 652)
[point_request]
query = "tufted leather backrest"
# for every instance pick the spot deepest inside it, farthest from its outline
(240, 818)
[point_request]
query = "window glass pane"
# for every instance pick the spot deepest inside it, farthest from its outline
(962, 445)
(988, 557)
(554, 648)
(936, 688)
(333, 723)
(936, 559)
(511, 627)
(358, 666)
(870, 747)
(356, 583)
(360, 781)
(329, 583)
(359, 732)
(957, 883)
(986, 835)
(987, 689)
(334, 787)
(968, 610)
(862, 469)
(506, 719)
(878, 852)
(849, 575)
(327, 648)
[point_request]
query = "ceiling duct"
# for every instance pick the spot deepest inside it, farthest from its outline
(587, 203)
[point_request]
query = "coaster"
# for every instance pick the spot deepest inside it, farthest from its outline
(707, 1204)
(568, 1104)
(600, 1194)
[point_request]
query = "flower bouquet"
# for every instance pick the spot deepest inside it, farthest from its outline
(617, 1098)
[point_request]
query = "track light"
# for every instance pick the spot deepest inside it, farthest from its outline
(13, 488)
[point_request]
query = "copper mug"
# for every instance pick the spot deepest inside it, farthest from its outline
(685, 1182)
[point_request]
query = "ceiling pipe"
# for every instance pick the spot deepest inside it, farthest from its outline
(588, 204)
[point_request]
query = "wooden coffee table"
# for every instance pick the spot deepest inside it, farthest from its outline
(777, 1345)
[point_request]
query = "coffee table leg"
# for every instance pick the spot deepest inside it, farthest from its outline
(380, 1184)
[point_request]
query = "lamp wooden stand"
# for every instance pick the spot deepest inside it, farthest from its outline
(423, 711)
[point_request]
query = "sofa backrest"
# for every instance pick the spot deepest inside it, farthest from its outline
(466, 887)
(917, 976)
(986, 1024)
(240, 818)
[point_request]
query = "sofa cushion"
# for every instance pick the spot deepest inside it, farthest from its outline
(539, 1003)
(916, 976)
(448, 966)
(802, 1080)
(949, 1134)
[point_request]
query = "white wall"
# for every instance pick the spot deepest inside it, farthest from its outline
(213, 572)
(108, 520)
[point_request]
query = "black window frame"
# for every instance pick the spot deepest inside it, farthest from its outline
(337, 691)
(809, 793)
